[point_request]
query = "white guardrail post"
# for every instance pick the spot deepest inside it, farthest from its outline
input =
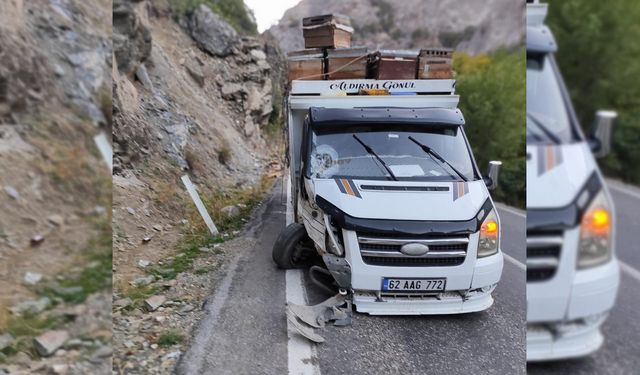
(191, 189)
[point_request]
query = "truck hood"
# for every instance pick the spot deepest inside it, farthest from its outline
(557, 173)
(401, 200)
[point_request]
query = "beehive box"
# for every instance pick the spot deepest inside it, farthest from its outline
(306, 64)
(327, 31)
(435, 63)
(394, 64)
(347, 63)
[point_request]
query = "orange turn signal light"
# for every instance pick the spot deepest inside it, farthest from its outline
(490, 228)
(597, 221)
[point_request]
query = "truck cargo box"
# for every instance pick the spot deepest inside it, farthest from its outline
(347, 63)
(435, 63)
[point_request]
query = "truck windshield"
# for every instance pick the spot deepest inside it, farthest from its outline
(548, 119)
(335, 152)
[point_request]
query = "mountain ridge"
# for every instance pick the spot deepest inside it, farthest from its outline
(468, 26)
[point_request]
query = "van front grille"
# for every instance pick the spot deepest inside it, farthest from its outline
(385, 250)
(543, 255)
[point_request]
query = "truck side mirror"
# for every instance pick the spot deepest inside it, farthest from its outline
(491, 180)
(600, 140)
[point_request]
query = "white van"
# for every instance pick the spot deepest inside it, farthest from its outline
(572, 271)
(385, 188)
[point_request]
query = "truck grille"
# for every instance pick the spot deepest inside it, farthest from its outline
(543, 255)
(384, 250)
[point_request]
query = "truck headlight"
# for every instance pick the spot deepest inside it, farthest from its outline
(489, 235)
(595, 233)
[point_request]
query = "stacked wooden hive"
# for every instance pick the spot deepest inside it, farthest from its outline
(328, 54)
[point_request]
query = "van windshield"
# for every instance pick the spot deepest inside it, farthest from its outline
(548, 119)
(336, 152)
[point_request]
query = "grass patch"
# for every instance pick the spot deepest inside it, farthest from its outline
(170, 338)
(199, 236)
(25, 327)
(224, 153)
(138, 294)
(235, 12)
(77, 287)
(31, 325)
(167, 195)
(71, 169)
(250, 197)
(188, 252)
(202, 271)
(105, 100)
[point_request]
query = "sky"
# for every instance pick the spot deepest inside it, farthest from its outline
(269, 12)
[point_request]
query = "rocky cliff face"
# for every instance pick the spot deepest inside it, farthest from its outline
(466, 25)
(194, 98)
(198, 90)
(55, 187)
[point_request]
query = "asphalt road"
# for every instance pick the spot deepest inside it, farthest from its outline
(245, 331)
(620, 353)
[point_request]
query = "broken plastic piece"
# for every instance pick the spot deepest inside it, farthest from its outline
(303, 330)
(310, 314)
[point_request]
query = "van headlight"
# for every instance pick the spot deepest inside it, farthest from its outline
(489, 235)
(595, 233)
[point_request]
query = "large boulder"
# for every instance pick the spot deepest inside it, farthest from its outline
(211, 33)
(131, 38)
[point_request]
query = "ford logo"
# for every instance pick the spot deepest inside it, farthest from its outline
(414, 249)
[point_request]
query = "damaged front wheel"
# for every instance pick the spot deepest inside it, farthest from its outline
(293, 248)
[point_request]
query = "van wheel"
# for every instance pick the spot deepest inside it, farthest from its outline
(293, 248)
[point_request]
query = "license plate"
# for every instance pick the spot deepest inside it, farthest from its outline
(413, 285)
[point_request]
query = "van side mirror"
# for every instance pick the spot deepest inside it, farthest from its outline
(491, 180)
(600, 139)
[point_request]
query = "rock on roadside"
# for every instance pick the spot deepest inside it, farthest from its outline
(6, 341)
(47, 343)
(211, 33)
(154, 302)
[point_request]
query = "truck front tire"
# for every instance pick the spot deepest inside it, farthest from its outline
(293, 248)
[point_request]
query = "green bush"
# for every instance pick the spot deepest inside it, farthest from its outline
(493, 101)
(235, 12)
(599, 56)
(170, 338)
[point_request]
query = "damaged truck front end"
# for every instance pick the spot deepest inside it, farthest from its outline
(392, 201)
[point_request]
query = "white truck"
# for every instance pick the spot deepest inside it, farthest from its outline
(572, 270)
(385, 189)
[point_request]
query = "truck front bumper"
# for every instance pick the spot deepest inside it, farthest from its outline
(445, 303)
(548, 342)
(577, 334)
(468, 286)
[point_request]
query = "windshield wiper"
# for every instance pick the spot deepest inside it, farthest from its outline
(541, 125)
(433, 153)
(371, 152)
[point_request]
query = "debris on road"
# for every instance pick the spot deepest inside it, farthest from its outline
(336, 309)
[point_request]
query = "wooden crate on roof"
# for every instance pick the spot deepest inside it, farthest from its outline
(435, 63)
(306, 64)
(347, 63)
(394, 64)
(327, 31)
